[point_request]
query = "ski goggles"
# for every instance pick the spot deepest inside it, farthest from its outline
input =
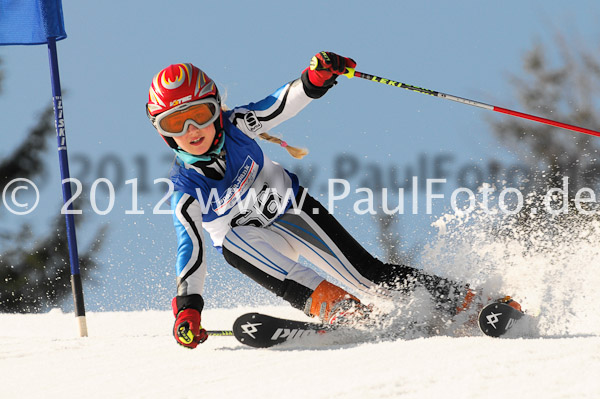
(175, 122)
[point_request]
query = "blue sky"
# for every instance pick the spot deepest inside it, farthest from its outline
(113, 50)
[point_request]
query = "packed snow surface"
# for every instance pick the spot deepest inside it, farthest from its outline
(550, 266)
(133, 355)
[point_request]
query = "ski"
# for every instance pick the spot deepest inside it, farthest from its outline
(263, 331)
(497, 318)
(259, 330)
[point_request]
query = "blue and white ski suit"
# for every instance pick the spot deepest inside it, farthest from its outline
(265, 237)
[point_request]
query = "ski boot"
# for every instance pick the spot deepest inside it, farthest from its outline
(510, 302)
(473, 302)
(335, 306)
(468, 301)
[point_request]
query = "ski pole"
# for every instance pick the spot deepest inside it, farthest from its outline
(352, 73)
(220, 333)
(216, 333)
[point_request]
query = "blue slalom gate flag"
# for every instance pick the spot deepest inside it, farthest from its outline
(31, 21)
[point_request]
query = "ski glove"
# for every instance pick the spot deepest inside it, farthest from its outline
(187, 329)
(326, 66)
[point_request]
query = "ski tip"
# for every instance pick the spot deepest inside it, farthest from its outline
(497, 318)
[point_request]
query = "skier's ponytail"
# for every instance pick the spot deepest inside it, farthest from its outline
(297, 153)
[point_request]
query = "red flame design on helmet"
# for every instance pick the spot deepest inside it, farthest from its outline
(178, 84)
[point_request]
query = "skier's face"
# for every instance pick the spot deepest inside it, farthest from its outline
(196, 141)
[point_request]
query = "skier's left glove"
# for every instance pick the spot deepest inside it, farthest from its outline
(326, 66)
(324, 69)
(187, 329)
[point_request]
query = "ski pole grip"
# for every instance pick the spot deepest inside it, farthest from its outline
(350, 73)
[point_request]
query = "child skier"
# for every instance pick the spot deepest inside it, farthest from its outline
(219, 166)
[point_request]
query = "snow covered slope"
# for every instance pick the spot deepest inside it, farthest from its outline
(551, 270)
(133, 355)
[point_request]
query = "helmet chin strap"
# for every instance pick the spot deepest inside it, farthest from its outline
(212, 152)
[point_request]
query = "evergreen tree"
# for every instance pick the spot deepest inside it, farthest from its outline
(35, 271)
(566, 90)
(560, 83)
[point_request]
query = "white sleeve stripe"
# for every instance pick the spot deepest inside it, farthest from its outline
(185, 214)
(289, 104)
(290, 100)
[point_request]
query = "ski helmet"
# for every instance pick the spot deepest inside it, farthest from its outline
(179, 84)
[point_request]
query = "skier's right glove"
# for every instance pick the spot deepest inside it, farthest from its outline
(187, 329)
